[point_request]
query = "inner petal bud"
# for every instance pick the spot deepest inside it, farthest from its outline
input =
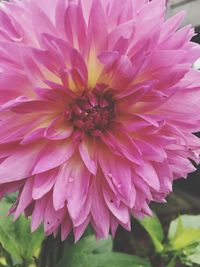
(93, 112)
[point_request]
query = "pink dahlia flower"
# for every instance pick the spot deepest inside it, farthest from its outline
(97, 109)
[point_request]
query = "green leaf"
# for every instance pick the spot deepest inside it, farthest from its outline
(117, 260)
(186, 238)
(89, 245)
(172, 262)
(191, 255)
(11, 198)
(187, 221)
(7, 232)
(176, 228)
(184, 232)
(2, 261)
(91, 253)
(154, 228)
(16, 237)
(29, 242)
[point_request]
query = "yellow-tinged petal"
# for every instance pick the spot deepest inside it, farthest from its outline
(94, 68)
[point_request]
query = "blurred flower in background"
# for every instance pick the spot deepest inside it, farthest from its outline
(98, 105)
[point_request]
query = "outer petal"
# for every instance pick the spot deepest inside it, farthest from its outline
(87, 149)
(53, 155)
(99, 209)
(43, 183)
(22, 162)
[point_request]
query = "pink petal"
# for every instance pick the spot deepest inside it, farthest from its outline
(78, 231)
(87, 151)
(99, 210)
(52, 218)
(120, 211)
(66, 228)
(38, 212)
(22, 162)
(119, 174)
(78, 186)
(59, 129)
(60, 187)
(75, 26)
(25, 197)
(124, 145)
(43, 183)
(97, 26)
(149, 175)
(53, 155)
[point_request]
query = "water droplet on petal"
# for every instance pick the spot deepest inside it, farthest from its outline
(71, 179)
(119, 185)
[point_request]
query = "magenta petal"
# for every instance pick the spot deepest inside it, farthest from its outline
(171, 25)
(33, 136)
(52, 218)
(7, 149)
(99, 210)
(60, 187)
(10, 188)
(25, 197)
(148, 173)
(53, 155)
(66, 228)
(108, 58)
(38, 212)
(123, 72)
(119, 211)
(59, 129)
(125, 145)
(78, 186)
(84, 213)
(43, 183)
(119, 174)
(22, 162)
(151, 152)
(8, 26)
(113, 225)
(79, 230)
(97, 28)
(87, 151)
(75, 26)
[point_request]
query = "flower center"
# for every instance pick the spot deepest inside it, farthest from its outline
(93, 112)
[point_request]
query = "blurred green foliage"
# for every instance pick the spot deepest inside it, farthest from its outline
(154, 228)
(182, 241)
(91, 253)
(21, 248)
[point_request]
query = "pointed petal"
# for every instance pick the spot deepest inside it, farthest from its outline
(149, 175)
(53, 155)
(99, 209)
(87, 151)
(38, 212)
(25, 197)
(43, 183)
